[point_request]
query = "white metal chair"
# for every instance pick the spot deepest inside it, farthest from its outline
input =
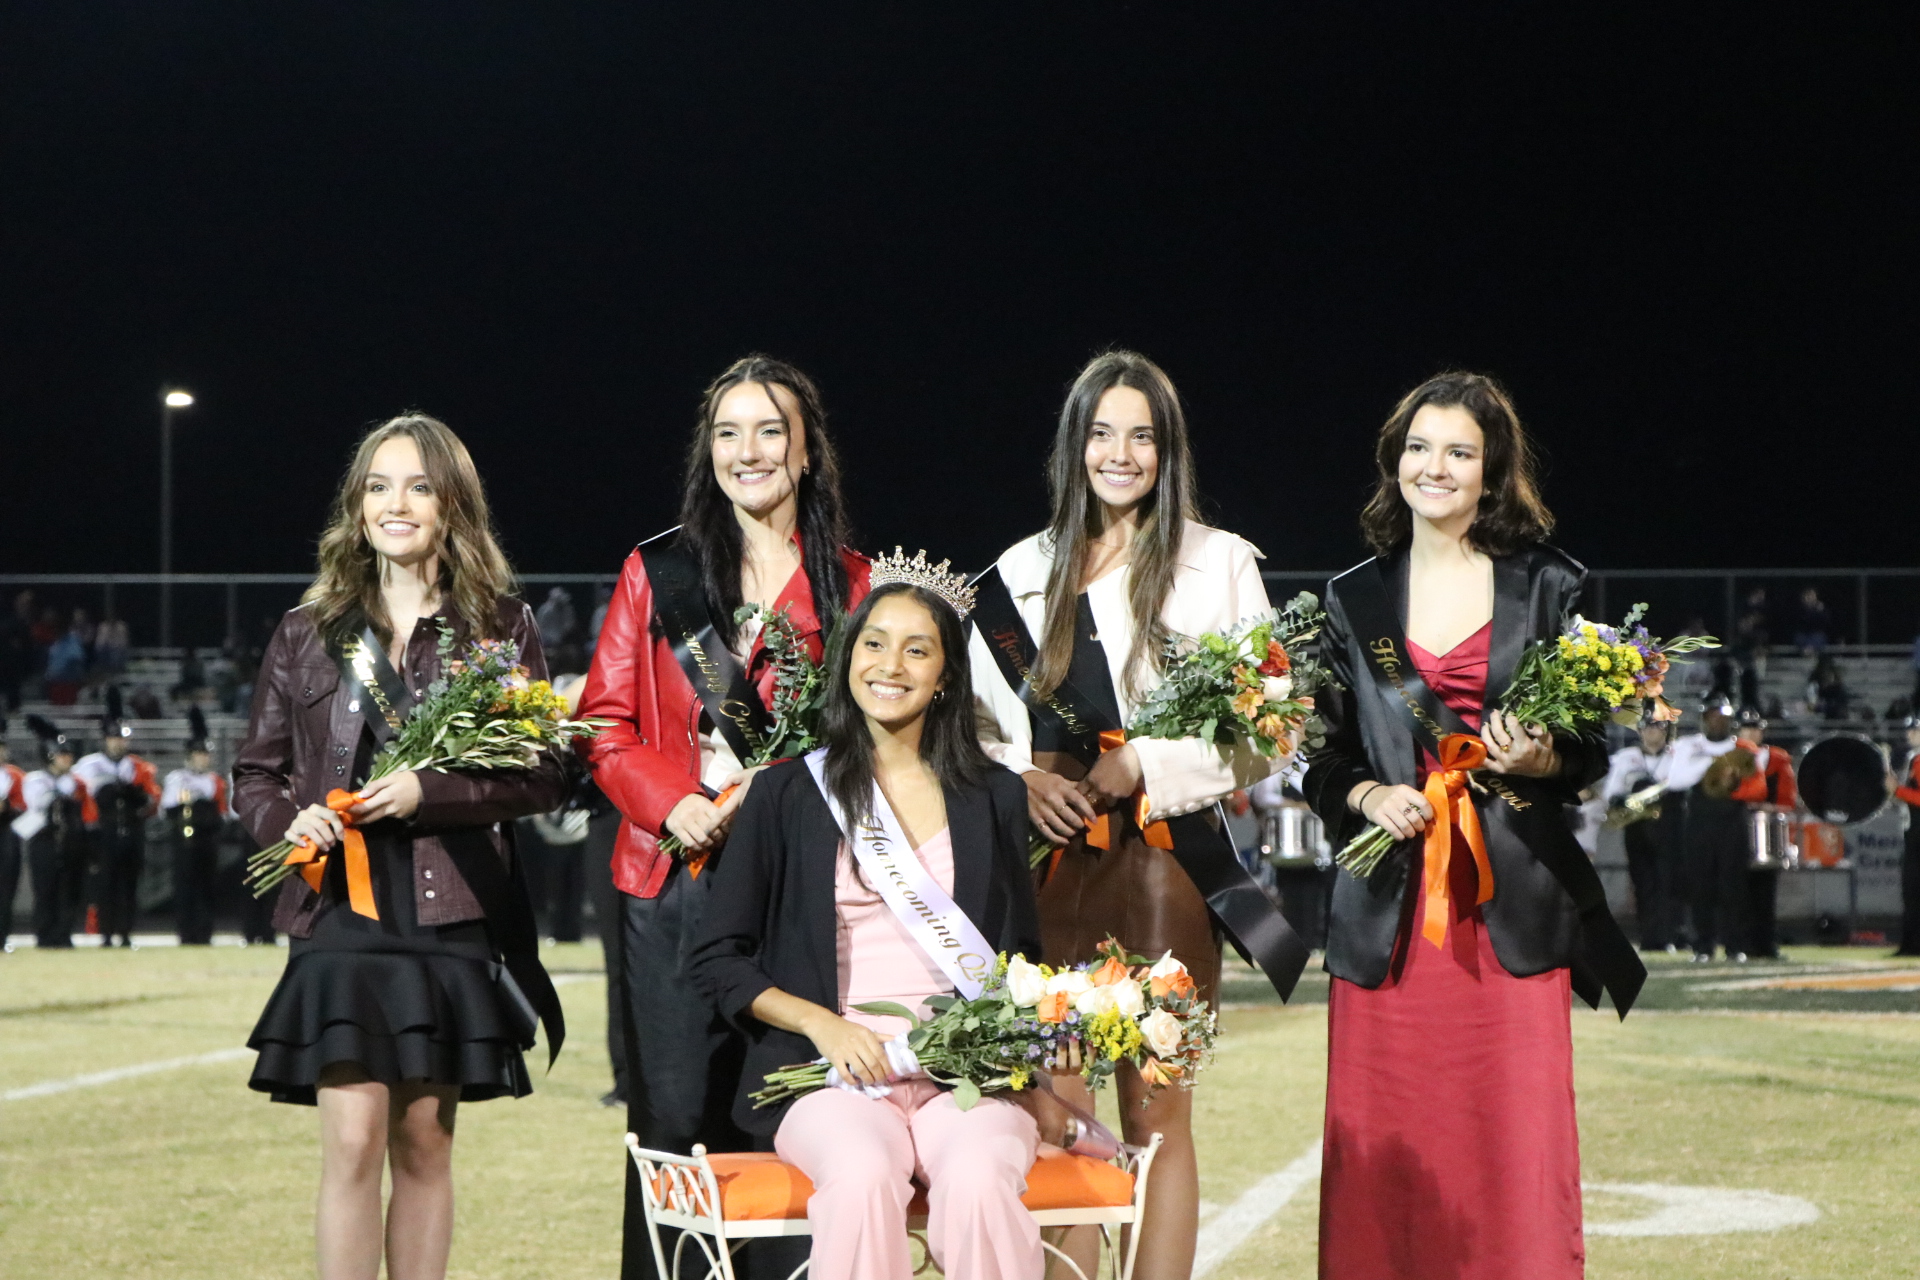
(721, 1201)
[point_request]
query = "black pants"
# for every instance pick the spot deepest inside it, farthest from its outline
(1651, 865)
(597, 864)
(195, 862)
(58, 867)
(1763, 897)
(9, 880)
(1717, 862)
(1910, 887)
(123, 855)
(565, 888)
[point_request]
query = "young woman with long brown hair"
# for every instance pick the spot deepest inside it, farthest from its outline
(388, 1021)
(686, 690)
(1070, 627)
(1451, 1148)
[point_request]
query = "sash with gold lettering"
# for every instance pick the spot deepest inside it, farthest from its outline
(680, 603)
(931, 916)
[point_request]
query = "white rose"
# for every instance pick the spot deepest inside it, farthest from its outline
(1026, 985)
(1128, 999)
(1095, 1000)
(1167, 967)
(1162, 1031)
(1276, 688)
(1071, 981)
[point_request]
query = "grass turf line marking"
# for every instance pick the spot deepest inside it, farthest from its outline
(1703, 1211)
(46, 1087)
(1226, 1232)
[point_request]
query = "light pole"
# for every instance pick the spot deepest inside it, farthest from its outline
(171, 401)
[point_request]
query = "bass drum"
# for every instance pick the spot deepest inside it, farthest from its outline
(1843, 779)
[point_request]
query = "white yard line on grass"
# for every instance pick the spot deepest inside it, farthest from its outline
(87, 1081)
(1229, 1229)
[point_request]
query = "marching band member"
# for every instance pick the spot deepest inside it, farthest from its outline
(57, 810)
(126, 791)
(414, 977)
(12, 803)
(1714, 842)
(1651, 853)
(901, 780)
(194, 799)
(1771, 783)
(1069, 628)
(687, 689)
(1451, 1143)
(1907, 791)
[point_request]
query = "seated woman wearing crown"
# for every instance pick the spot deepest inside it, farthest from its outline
(903, 770)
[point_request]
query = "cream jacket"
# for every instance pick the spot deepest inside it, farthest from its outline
(1216, 585)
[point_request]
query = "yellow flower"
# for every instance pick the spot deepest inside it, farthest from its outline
(531, 729)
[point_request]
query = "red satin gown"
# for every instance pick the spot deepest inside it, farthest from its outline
(1452, 1151)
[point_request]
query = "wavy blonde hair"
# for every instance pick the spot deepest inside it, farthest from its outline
(474, 573)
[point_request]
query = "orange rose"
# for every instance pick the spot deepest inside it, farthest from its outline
(1277, 663)
(1179, 984)
(1155, 1072)
(1053, 1007)
(1109, 973)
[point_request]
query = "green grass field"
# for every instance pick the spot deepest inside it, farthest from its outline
(1810, 1092)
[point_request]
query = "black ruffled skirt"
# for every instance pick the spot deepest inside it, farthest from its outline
(403, 1002)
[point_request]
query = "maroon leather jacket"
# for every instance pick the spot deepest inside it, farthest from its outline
(648, 758)
(301, 742)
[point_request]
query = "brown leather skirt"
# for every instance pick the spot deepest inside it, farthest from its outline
(1133, 892)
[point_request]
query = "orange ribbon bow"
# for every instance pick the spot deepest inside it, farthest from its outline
(312, 864)
(1446, 791)
(1099, 835)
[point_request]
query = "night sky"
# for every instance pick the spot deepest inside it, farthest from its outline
(1681, 234)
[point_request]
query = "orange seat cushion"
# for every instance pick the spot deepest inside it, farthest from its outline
(759, 1186)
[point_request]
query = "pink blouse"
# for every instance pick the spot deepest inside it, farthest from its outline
(878, 958)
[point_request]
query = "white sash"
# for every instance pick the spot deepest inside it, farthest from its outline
(916, 899)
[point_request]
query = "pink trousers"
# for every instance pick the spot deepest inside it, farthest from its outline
(864, 1154)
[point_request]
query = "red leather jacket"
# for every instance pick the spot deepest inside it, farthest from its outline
(648, 759)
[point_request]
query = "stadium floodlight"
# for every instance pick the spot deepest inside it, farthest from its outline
(171, 400)
(178, 399)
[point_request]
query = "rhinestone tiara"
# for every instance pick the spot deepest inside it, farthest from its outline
(951, 587)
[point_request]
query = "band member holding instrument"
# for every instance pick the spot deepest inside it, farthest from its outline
(1451, 1146)
(414, 975)
(901, 794)
(688, 689)
(1771, 784)
(1649, 830)
(1715, 852)
(126, 791)
(1906, 790)
(1069, 628)
(194, 800)
(57, 808)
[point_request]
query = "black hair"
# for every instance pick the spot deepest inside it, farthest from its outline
(709, 527)
(948, 739)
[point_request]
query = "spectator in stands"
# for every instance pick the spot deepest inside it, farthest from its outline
(604, 595)
(144, 704)
(16, 649)
(66, 666)
(1749, 646)
(1815, 623)
(1827, 695)
(556, 618)
(110, 645)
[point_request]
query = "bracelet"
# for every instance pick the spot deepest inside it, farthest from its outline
(1359, 805)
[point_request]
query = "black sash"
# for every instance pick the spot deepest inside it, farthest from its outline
(1540, 824)
(680, 603)
(1073, 720)
(499, 887)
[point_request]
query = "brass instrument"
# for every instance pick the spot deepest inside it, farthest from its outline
(1291, 835)
(1638, 806)
(1770, 832)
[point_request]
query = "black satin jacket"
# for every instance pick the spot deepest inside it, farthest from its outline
(1531, 919)
(771, 919)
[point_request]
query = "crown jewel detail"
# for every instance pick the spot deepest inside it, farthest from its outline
(951, 587)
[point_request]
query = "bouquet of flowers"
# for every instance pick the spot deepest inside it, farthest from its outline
(1589, 674)
(799, 690)
(1253, 684)
(484, 712)
(1120, 1009)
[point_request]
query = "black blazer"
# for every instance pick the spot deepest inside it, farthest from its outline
(1531, 919)
(771, 921)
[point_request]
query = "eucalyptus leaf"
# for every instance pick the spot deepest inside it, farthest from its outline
(888, 1009)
